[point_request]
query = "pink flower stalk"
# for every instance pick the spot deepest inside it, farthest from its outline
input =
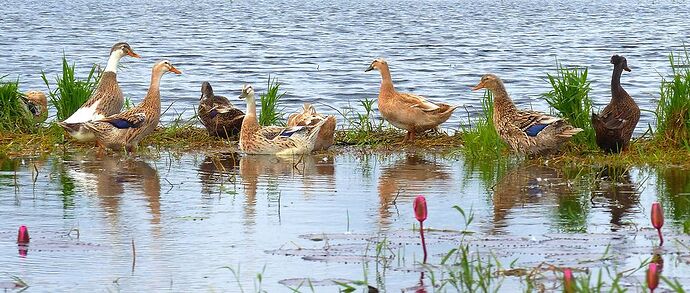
(658, 220)
(23, 235)
(568, 281)
(419, 206)
(652, 277)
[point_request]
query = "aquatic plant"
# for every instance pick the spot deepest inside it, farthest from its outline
(420, 213)
(673, 109)
(14, 116)
(71, 92)
(270, 114)
(570, 97)
(652, 277)
(23, 235)
(482, 141)
(658, 220)
(568, 283)
(362, 127)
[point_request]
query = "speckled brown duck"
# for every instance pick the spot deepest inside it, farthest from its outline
(218, 114)
(406, 111)
(614, 126)
(309, 117)
(107, 98)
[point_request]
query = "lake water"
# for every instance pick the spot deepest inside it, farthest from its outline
(318, 50)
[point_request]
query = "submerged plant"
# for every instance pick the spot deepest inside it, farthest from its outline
(14, 116)
(482, 140)
(270, 114)
(570, 97)
(673, 110)
(71, 92)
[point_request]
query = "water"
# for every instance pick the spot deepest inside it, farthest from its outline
(319, 49)
(320, 217)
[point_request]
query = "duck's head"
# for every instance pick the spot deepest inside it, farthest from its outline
(376, 64)
(206, 91)
(164, 67)
(488, 81)
(123, 49)
(247, 93)
(618, 60)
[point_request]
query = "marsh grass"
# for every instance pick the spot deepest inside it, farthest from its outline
(270, 113)
(570, 97)
(362, 127)
(673, 109)
(71, 92)
(14, 115)
(482, 140)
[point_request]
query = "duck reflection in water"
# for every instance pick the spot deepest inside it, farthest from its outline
(111, 176)
(217, 171)
(620, 193)
(408, 177)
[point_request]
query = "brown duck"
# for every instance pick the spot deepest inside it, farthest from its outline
(217, 113)
(614, 126)
(309, 117)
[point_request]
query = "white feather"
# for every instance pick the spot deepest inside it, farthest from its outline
(84, 114)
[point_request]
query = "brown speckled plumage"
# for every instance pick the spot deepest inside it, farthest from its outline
(217, 114)
(309, 117)
(614, 126)
(37, 104)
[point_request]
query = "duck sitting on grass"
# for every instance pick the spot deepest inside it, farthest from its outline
(126, 129)
(217, 114)
(527, 132)
(257, 139)
(409, 112)
(36, 104)
(106, 99)
(309, 117)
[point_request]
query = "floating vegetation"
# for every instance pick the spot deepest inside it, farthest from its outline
(71, 92)
(14, 114)
(270, 114)
(570, 97)
(673, 110)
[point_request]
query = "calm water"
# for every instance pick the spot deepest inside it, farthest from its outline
(319, 49)
(319, 218)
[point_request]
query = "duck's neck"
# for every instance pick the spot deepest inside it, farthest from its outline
(502, 101)
(153, 96)
(250, 121)
(386, 81)
(617, 90)
(113, 61)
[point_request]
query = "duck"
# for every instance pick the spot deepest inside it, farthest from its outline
(615, 124)
(526, 132)
(36, 103)
(406, 111)
(105, 100)
(217, 114)
(309, 117)
(273, 140)
(126, 129)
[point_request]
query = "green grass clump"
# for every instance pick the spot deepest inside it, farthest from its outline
(570, 97)
(362, 128)
(14, 116)
(71, 92)
(482, 140)
(673, 110)
(270, 114)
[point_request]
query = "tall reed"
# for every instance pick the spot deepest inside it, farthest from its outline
(673, 109)
(71, 92)
(482, 140)
(270, 114)
(14, 115)
(570, 97)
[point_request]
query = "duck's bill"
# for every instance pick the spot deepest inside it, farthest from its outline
(241, 97)
(626, 68)
(371, 67)
(478, 87)
(132, 54)
(175, 70)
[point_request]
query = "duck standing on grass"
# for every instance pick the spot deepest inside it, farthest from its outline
(309, 117)
(268, 140)
(527, 132)
(407, 111)
(217, 114)
(106, 99)
(126, 129)
(614, 126)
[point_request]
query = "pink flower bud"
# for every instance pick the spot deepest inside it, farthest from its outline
(568, 282)
(657, 215)
(419, 207)
(652, 277)
(23, 236)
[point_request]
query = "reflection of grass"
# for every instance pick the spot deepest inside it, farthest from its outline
(673, 189)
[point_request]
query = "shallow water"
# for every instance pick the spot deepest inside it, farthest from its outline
(320, 218)
(319, 49)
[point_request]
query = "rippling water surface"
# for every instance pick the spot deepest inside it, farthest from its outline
(319, 49)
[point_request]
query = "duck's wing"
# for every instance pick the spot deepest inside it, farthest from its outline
(532, 122)
(126, 119)
(417, 101)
